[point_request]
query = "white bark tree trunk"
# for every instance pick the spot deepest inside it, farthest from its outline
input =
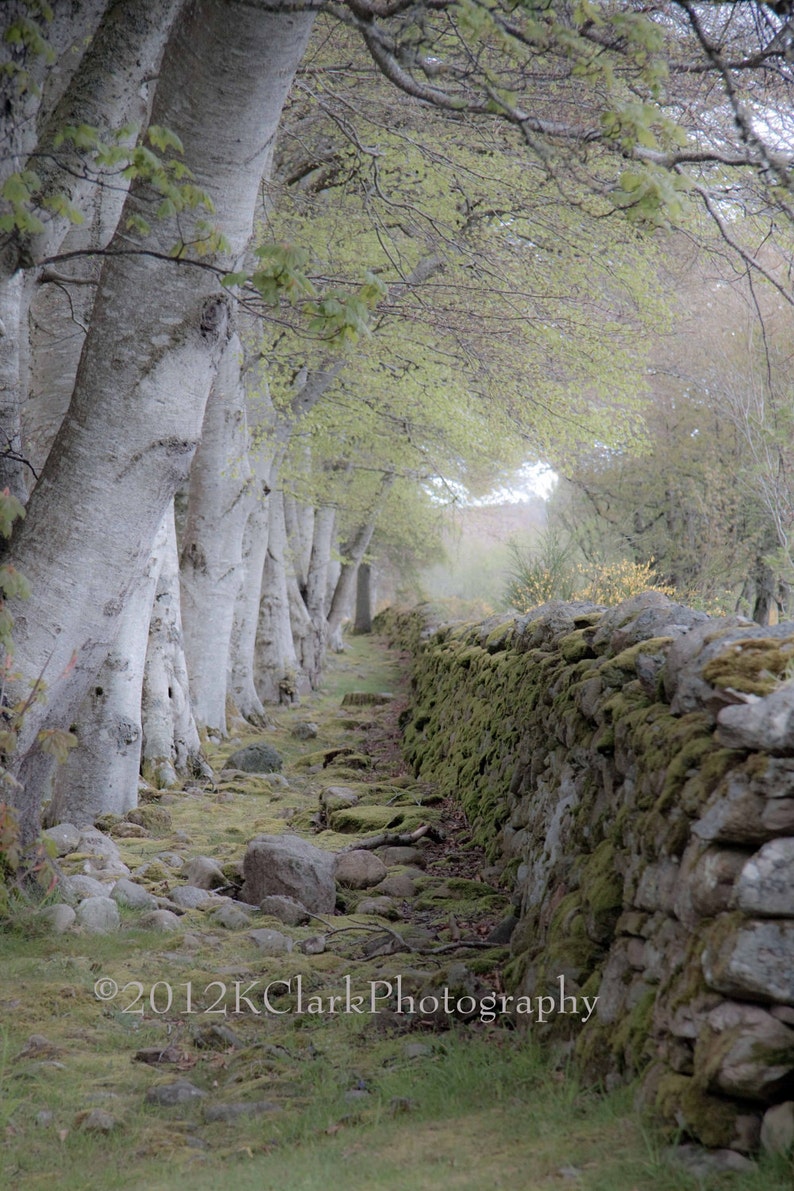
(171, 744)
(299, 522)
(157, 333)
(308, 648)
(242, 687)
(212, 547)
(101, 773)
(362, 622)
(310, 621)
(105, 91)
(353, 552)
(276, 664)
(14, 474)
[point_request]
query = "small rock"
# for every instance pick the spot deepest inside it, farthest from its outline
(127, 893)
(271, 942)
(98, 915)
(169, 1094)
(217, 1037)
(65, 836)
(44, 1117)
(104, 868)
(172, 859)
(129, 831)
(232, 1112)
(98, 1121)
(398, 885)
(58, 917)
(154, 1055)
(701, 1162)
(160, 920)
(313, 946)
(359, 869)
(417, 1050)
(230, 917)
(337, 798)
(402, 855)
(384, 907)
(305, 730)
(276, 781)
(95, 843)
(37, 1047)
(205, 873)
(80, 886)
(777, 1129)
(189, 897)
(155, 819)
(256, 758)
(285, 909)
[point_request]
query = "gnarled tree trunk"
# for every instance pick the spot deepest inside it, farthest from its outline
(101, 773)
(212, 546)
(171, 744)
(157, 334)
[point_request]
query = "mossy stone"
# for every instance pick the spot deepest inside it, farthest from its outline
(155, 819)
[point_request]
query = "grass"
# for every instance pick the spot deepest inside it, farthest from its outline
(475, 1107)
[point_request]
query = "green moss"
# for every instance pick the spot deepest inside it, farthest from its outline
(683, 1104)
(379, 818)
(614, 670)
(592, 1052)
(500, 637)
(601, 892)
(756, 665)
(577, 646)
(604, 740)
(625, 702)
(632, 1038)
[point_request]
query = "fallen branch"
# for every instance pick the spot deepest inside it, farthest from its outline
(382, 929)
(398, 840)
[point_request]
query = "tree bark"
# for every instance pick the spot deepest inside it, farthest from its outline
(171, 744)
(277, 666)
(362, 621)
(310, 620)
(101, 773)
(14, 474)
(104, 92)
(212, 547)
(352, 555)
(158, 331)
(299, 522)
(242, 686)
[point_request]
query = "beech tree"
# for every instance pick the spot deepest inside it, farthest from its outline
(158, 328)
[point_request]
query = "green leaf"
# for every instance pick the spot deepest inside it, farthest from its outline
(163, 138)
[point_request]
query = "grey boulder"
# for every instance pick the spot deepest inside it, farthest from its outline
(291, 866)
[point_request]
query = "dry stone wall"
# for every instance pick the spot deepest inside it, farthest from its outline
(632, 773)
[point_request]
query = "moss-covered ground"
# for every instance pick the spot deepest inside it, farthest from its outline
(332, 1099)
